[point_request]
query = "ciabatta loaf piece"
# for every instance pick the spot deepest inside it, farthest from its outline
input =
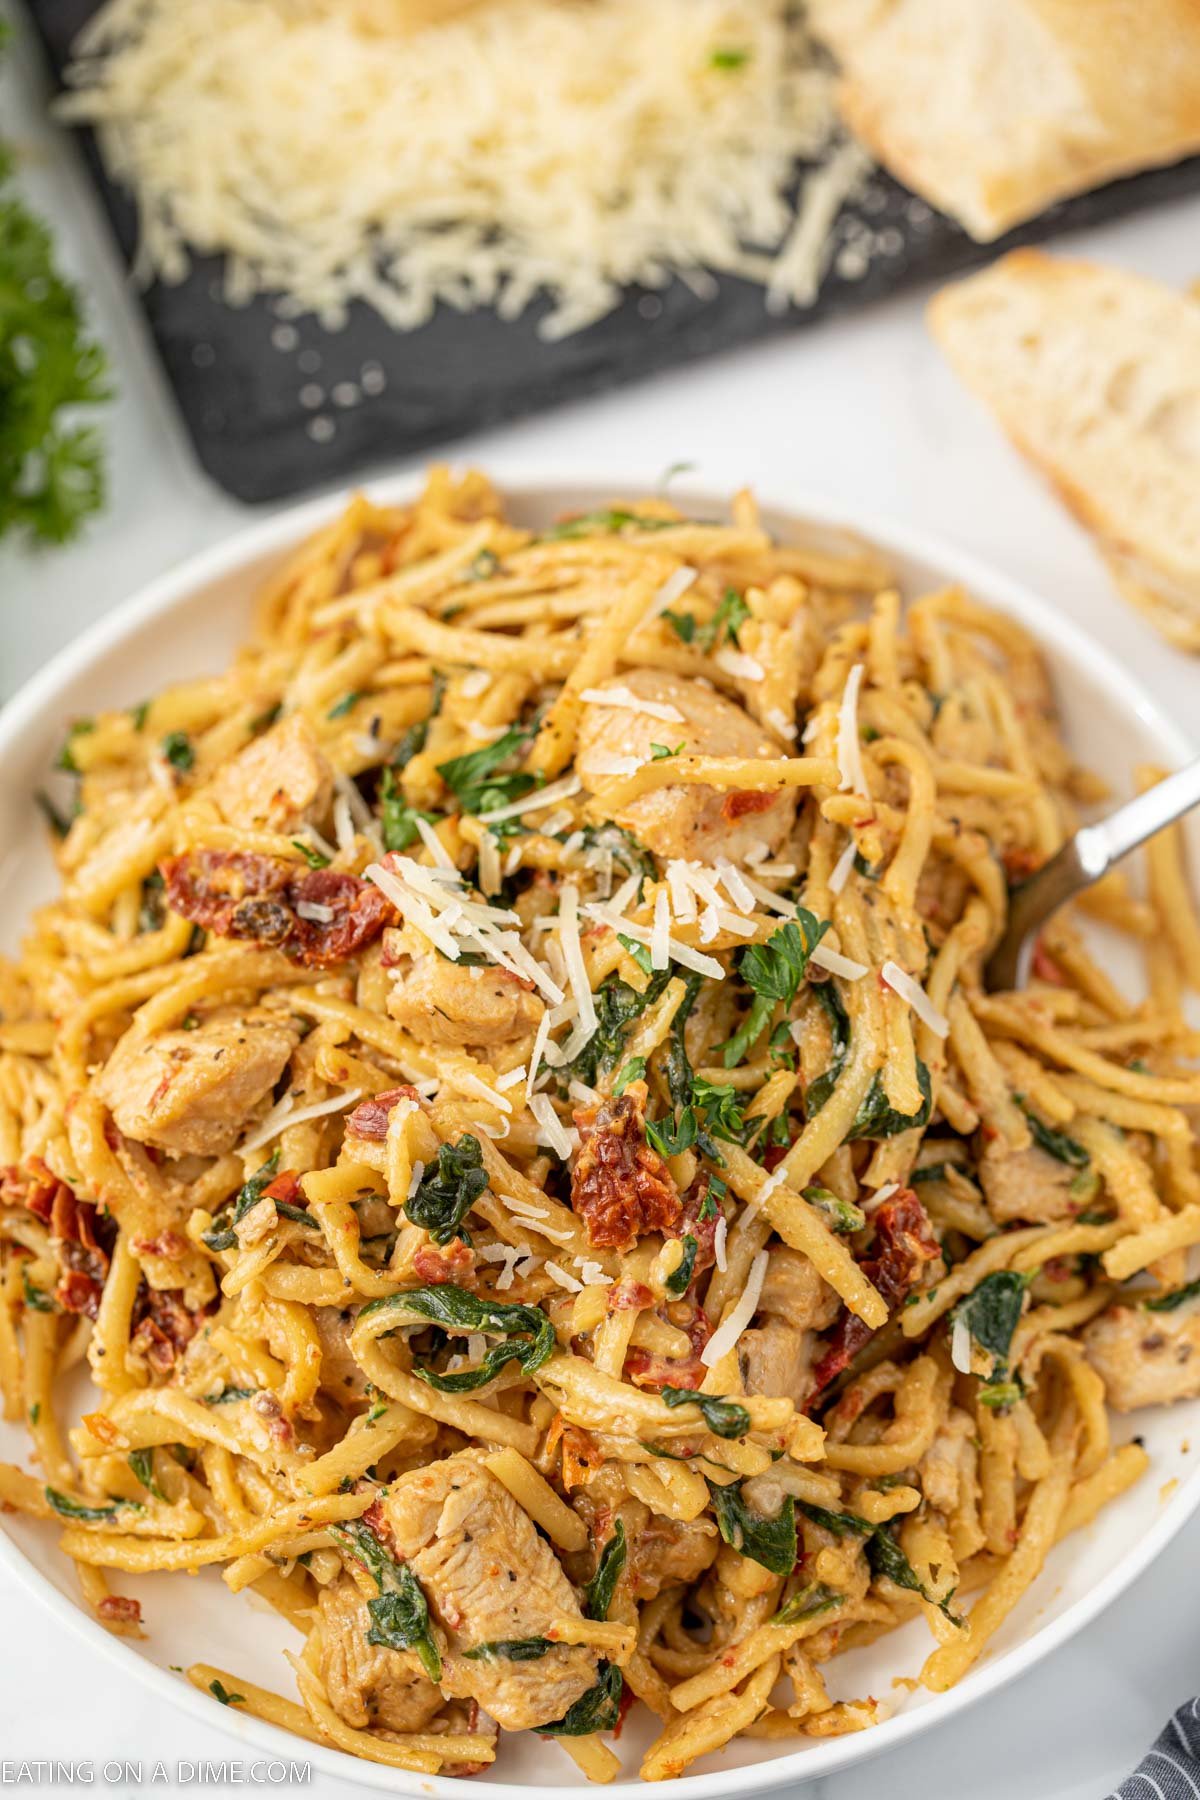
(1095, 375)
(992, 109)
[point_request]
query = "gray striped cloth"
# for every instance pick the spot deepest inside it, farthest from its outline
(1171, 1769)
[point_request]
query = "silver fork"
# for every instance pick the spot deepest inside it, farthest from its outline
(1081, 862)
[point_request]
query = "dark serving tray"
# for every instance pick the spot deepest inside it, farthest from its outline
(274, 406)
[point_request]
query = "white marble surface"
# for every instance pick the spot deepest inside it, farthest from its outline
(864, 411)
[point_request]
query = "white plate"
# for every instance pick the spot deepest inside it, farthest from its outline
(190, 622)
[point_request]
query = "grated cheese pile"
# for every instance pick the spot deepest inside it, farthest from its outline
(560, 147)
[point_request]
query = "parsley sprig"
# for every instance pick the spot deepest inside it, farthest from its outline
(51, 465)
(773, 972)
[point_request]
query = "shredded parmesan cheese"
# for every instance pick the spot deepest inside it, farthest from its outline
(837, 964)
(676, 584)
(732, 1326)
(433, 843)
(286, 1112)
(467, 1082)
(660, 936)
(613, 765)
(849, 749)
(330, 162)
(720, 1234)
(903, 984)
(550, 1127)
(739, 665)
(960, 1346)
(840, 874)
(315, 912)
(631, 702)
(560, 1276)
(547, 796)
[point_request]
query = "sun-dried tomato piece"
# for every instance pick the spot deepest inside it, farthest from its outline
(453, 1262)
(647, 1370)
(581, 1456)
(740, 803)
(163, 1326)
(904, 1243)
(118, 1609)
(269, 900)
(628, 1295)
(370, 1117)
(620, 1186)
(81, 1238)
(79, 1292)
(285, 1187)
(375, 1521)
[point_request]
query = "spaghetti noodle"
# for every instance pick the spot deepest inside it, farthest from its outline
(506, 1105)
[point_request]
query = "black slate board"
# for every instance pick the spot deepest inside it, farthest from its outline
(274, 406)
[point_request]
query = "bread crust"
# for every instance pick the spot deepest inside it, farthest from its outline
(994, 109)
(1095, 375)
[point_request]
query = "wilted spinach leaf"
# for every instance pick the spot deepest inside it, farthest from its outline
(448, 1190)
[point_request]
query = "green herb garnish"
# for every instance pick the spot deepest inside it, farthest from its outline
(773, 971)
(51, 466)
(680, 1278)
(80, 1512)
(840, 1215)
(474, 779)
(178, 752)
(313, 858)
(633, 1070)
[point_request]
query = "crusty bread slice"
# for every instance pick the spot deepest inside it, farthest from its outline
(993, 109)
(1095, 375)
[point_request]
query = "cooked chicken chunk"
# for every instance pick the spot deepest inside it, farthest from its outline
(691, 821)
(1027, 1184)
(948, 1461)
(488, 1576)
(669, 1553)
(368, 1685)
(1145, 1358)
(456, 1004)
(777, 1356)
(794, 1291)
(341, 1376)
(193, 1093)
(280, 781)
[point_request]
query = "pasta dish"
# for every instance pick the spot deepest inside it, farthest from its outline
(506, 1110)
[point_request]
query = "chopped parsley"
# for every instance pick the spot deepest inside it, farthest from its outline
(178, 752)
(773, 971)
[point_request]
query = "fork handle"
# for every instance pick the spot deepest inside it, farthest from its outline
(1140, 819)
(1091, 853)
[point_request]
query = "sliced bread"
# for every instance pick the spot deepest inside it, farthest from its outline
(993, 109)
(1095, 375)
